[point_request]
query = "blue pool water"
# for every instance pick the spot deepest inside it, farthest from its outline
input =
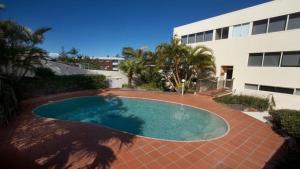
(143, 117)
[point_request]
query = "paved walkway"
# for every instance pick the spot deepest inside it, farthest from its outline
(34, 142)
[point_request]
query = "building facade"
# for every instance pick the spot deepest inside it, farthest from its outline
(258, 47)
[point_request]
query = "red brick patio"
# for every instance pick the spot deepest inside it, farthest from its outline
(34, 142)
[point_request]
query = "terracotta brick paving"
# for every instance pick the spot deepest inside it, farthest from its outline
(34, 142)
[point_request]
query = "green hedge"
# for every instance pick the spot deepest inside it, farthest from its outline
(260, 104)
(288, 121)
(32, 87)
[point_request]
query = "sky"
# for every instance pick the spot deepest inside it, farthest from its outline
(103, 27)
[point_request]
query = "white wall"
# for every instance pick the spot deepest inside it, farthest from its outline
(115, 78)
(235, 51)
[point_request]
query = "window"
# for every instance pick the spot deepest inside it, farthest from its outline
(272, 59)
(236, 32)
(191, 38)
(208, 35)
(294, 21)
(255, 59)
(277, 24)
(219, 34)
(184, 39)
(297, 92)
(251, 86)
(241, 30)
(199, 37)
(291, 59)
(259, 27)
(222, 33)
(276, 89)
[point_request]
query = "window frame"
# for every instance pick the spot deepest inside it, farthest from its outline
(282, 59)
(253, 55)
(270, 54)
(276, 19)
(262, 22)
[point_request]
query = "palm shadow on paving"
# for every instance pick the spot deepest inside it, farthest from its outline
(61, 144)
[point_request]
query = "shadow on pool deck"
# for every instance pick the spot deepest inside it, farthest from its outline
(45, 143)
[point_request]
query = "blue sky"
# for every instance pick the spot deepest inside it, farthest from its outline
(104, 27)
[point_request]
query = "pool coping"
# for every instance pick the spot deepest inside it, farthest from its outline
(142, 98)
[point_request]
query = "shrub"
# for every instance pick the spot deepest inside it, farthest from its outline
(31, 87)
(127, 86)
(149, 86)
(261, 104)
(8, 102)
(43, 72)
(287, 121)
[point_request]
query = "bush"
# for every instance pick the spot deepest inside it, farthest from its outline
(8, 102)
(31, 87)
(43, 72)
(260, 104)
(287, 121)
(149, 86)
(127, 86)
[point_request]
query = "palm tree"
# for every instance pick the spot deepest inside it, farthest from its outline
(170, 59)
(19, 51)
(178, 61)
(201, 62)
(129, 67)
(135, 60)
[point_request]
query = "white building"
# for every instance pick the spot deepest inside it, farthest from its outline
(258, 47)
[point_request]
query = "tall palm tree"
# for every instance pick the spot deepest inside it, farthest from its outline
(19, 51)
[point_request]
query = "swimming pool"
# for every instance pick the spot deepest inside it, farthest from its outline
(144, 117)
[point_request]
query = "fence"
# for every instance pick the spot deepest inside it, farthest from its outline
(213, 84)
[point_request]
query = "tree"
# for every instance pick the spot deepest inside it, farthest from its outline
(19, 51)
(178, 61)
(73, 52)
(134, 61)
(129, 67)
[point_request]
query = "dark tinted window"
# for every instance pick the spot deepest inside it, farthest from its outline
(199, 37)
(251, 86)
(218, 34)
(208, 35)
(291, 59)
(222, 33)
(184, 39)
(272, 59)
(225, 32)
(259, 27)
(276, 89)
(191, 38)
(277, 24)
(294, 21)
(255, 59)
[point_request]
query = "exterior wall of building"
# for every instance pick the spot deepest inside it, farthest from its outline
(115, 78)
(234, 51)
